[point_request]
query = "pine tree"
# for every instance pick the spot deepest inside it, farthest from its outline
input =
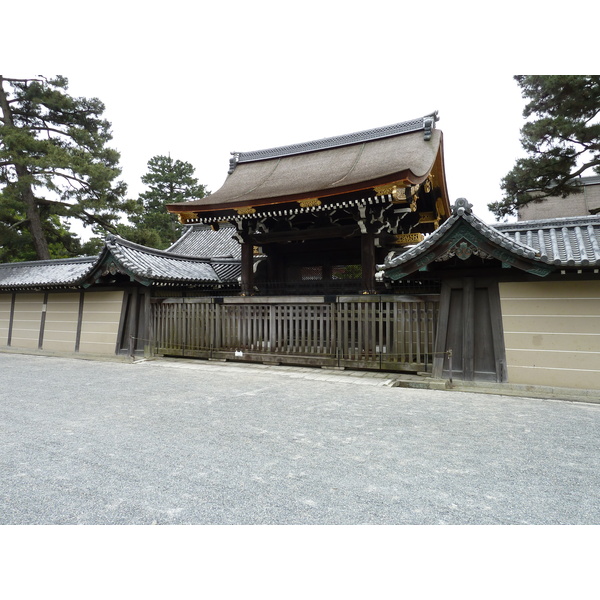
(55, 166)
(169, 181)
(561, 138)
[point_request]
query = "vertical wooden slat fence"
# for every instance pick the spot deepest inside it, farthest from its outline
(370, 332)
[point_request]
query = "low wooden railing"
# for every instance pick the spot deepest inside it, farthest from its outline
(371, 332)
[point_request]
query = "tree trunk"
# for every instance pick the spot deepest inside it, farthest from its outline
(26, 191)
(32, 212)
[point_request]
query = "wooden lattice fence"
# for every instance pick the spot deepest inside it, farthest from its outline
(371, 332)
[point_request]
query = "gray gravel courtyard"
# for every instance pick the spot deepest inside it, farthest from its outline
(176, 442)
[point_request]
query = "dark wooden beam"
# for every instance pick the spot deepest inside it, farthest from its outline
(247, 268)
(368, 262)
(313, 233)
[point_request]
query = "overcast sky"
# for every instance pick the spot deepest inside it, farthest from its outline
(200, 80)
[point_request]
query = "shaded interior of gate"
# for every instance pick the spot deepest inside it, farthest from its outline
(391, 333)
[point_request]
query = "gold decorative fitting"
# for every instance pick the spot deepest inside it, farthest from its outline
(308, 202)
(427, 185)
(184, 217)
(404, 239)
(247, 210)
(427, 217)
(397, 191)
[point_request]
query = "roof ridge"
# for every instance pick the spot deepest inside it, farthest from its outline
(117, 240)
(426, 123)
(548, 223)
(50, 261)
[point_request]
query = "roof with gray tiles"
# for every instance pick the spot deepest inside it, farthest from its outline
(146, 265)
(566, 242)
(46, 273)
(571, 243)
(203, 241)
(158, 265)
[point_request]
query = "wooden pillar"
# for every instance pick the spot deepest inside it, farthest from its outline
(367, 253)
(247, 268)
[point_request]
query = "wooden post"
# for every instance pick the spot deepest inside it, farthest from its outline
(247, 268)
(367, 253)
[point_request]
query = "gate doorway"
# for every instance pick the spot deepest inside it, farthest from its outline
(471, 327)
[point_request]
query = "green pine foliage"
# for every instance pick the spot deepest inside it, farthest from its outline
(55, 167)
(561, 138)
(169, 181)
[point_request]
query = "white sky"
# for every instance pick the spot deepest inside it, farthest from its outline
(200, 80)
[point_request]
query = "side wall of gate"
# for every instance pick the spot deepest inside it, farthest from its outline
(367, 332)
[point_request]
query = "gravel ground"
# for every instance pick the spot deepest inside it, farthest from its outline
(191, 442)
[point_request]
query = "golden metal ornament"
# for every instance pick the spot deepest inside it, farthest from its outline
(427, 217)
(308, 202)
(404, 239)
(247, 210)
(398, 192)
(184, 217)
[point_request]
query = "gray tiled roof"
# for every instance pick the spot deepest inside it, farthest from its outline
(159, 265)
(202, 241)
(140, 262)
(569, 242)
(573, 242)
(46, 273)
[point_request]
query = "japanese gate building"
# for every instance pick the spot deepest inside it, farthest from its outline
(341, 252)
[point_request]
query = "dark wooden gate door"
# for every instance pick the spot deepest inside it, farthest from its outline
(470, 325)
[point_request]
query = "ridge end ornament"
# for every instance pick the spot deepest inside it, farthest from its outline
(462, 207)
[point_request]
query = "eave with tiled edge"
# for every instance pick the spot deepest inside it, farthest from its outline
(151, 267)
(55, 274)
(464, 227)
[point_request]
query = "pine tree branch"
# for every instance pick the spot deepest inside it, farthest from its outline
(49, 129)
(21, 80)
(64, 176)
